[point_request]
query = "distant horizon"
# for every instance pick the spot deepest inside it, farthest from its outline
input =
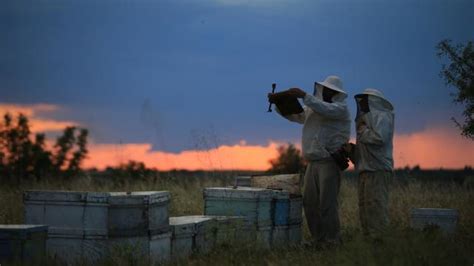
(351, 170)
(432, 148)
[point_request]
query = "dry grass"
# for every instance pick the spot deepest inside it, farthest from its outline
(401, 246)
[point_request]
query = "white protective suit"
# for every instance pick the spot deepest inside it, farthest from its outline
(326, 125)
(375, 140)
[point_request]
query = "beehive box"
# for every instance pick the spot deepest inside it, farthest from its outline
(22, 243)
(68, 210)
(280, 235)
(155, 248)
(76, 246)
(229, 228)
(295, 234)
(192, 233)
(281, 208)
(182, 237)
(255, 204)
(205, 236)
(445, 219)
(138, 213)
(264, 236)
(296, 209)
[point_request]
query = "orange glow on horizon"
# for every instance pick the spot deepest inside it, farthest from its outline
(433, 148)
(430, 149)
(31, 111)
(225, 157)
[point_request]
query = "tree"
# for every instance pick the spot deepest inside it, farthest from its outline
(15, 147)
(41, 158)
(79, 154)
(21, 157)
(289, 160)
(459, 73)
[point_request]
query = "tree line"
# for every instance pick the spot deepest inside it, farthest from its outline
(24, 155)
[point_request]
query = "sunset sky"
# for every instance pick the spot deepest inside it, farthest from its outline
(183, 84)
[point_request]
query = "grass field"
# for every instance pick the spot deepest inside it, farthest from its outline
(401, 246)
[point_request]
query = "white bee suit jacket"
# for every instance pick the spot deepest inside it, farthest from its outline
(326, 126)
(374, 148)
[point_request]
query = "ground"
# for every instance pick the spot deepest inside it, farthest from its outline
(401, 246)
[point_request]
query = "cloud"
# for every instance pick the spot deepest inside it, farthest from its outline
(35, 113)
(226, 157)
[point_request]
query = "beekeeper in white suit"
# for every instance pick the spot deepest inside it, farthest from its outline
(373, 159)
(326, 127)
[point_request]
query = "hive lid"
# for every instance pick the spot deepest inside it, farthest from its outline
(238, 193)
(20, 231)
(67, 232)
(187, 224)
(65, 196)
(138, 197)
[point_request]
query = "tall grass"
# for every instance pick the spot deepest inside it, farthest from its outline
(401, 246)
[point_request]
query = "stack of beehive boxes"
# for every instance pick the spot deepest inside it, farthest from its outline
(90, 225)
(287, 219)
(255, 204)
(273, 217)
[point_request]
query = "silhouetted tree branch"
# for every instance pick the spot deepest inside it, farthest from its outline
(459, 73)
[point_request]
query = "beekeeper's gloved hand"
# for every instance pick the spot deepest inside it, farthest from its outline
(271, 97)
(361, 126)
(348, 147)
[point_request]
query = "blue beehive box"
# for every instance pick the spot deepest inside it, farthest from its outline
(255, 204)
(23, 243)
(287, 218)
(281, 208)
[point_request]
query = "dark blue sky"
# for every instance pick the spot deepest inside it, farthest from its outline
(164, 71)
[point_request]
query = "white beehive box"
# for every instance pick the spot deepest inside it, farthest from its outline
(192, 233)
(138, 213)
(205, 233)
(153, 248)
(445, 219)
(22, 243)
(68, 211)
(182, 237)
(72, 247)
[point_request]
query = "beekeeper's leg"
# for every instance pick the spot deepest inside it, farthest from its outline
(362, 202)
(376, 202)
(330, 180)
(311, 200)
